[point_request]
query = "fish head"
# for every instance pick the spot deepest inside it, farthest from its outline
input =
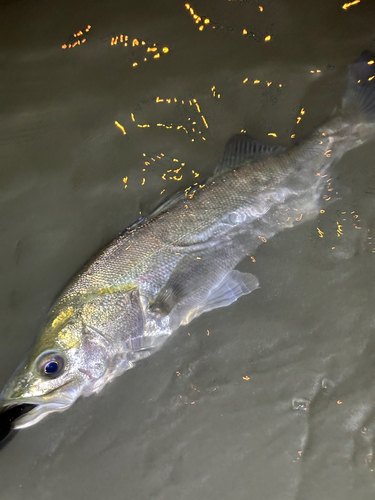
(70, 359)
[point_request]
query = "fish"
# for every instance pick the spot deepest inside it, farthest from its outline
(180, 261)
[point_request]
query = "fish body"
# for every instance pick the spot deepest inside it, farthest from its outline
(180, 261)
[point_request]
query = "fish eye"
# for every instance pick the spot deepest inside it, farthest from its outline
(50, 364)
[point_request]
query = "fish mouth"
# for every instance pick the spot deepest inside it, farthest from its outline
(9, 414)
(23, 412)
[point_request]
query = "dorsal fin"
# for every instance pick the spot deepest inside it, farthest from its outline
(163, 206)
(241, 148)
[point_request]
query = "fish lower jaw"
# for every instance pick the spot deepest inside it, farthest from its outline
(19, 414)
(37, 414)
(43, 406)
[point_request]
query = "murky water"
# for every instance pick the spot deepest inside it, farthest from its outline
(271, 398)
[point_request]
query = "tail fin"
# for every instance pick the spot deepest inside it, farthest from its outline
(360, 90)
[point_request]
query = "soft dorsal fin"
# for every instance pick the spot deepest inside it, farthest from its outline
(241, 148)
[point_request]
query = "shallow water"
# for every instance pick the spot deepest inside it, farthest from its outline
(277, 401)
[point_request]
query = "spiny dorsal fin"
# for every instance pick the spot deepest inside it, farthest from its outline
(163, 207)
(241, 148)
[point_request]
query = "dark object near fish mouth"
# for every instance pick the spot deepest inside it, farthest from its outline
(8, 415)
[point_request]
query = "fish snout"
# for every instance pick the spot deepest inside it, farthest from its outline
(18, 413)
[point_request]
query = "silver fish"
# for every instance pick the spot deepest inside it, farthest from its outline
(180, 261)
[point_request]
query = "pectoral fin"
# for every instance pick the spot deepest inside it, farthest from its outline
(142, 343)
(188, 276)
(231, 288)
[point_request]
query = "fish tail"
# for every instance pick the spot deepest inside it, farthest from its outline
(359, 97)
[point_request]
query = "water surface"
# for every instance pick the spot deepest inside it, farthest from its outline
(271, 398)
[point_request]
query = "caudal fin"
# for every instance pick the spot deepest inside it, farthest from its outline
(359, 96)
